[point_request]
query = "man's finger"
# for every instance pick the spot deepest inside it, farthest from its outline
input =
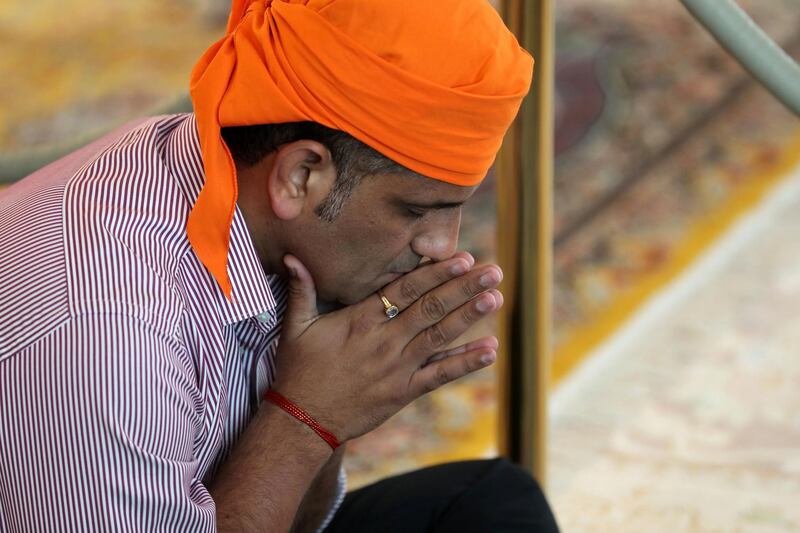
(461, 253)
(438, 373)
(485, 342)
(302, 300)
(406, 290)
(440, 334)
(466, 256)
(432, 307)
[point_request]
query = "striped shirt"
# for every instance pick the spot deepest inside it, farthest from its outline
(126, 376)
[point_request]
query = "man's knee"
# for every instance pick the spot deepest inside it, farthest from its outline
(504, 498)
(481, 496)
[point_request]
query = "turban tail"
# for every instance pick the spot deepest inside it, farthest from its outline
(431, 84)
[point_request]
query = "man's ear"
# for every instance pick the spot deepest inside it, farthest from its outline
(302, 176)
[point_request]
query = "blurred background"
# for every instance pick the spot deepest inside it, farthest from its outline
(676, 290)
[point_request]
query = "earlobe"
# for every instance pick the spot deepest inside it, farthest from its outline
(299, 171)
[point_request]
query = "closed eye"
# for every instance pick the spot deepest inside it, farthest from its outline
(413, 212)
(416, 211)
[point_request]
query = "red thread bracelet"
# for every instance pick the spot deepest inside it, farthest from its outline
(285, 404)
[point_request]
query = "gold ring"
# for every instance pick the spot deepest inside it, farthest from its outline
(389, 308)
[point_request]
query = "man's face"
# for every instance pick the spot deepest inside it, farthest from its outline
(385, 229)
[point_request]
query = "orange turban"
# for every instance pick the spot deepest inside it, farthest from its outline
(431, 84)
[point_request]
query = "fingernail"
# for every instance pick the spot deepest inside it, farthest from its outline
(458, 268)
(483, 305)
(488, 358)
(490, 279)
(292, 272)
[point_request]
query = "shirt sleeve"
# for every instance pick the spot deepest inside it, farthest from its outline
(97, 426)
(341, 492)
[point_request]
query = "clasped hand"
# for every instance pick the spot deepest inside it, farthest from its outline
(354, 368)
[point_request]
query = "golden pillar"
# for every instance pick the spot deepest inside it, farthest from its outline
(525, 192)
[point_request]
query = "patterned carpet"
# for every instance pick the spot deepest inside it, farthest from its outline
(72, 67)
(681, 129)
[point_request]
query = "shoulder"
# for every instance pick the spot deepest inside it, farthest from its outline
(124, 227)
(100, 231)
(33, 291)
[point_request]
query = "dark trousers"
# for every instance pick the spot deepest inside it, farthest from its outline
(480, 496)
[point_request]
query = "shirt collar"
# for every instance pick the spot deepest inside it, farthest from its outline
(251, 295)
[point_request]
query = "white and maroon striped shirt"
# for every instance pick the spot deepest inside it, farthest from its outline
(126, 376)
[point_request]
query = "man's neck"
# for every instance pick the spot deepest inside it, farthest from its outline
(253, 202)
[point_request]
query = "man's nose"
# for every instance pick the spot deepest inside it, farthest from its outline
(439, 240)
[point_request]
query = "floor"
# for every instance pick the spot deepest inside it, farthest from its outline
(688, 418)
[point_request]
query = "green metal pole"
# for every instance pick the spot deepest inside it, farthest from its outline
(753, 48)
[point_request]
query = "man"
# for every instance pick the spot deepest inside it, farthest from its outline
(146, 278)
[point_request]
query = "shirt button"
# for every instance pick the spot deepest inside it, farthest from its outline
(264, 317)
